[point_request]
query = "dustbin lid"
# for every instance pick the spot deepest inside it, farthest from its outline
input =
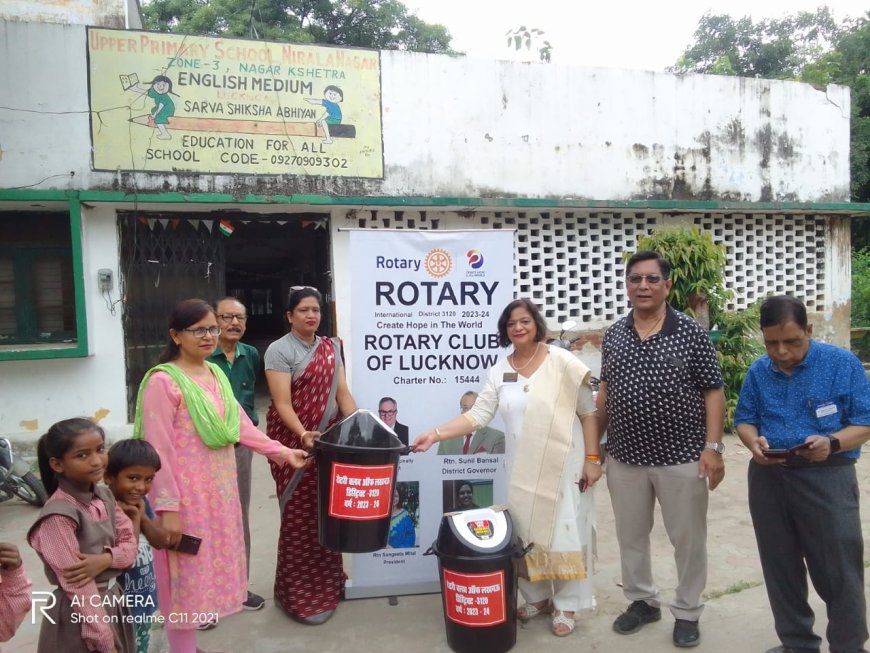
(474, 532)
(361, 430)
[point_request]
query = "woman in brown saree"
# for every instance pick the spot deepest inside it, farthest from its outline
(309, 392)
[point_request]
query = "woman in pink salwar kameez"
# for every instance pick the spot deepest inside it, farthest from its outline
(188, 413)
(309, 394)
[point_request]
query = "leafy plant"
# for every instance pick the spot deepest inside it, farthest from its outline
(698, 273)
(523, 37)
(737, 347)
(861, 287)
(861, 300)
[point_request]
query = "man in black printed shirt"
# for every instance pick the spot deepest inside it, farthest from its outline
(662, 403)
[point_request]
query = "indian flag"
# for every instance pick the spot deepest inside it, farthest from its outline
(226, 228)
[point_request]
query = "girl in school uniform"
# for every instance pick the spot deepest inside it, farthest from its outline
(85, 540)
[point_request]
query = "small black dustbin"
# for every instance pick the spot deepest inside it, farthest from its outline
(477, 555)
(357, 461)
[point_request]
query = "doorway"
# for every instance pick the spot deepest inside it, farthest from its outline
(166, 257)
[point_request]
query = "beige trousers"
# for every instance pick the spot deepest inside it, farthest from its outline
(683, 500)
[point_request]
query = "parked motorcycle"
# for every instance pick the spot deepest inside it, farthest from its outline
(560, 342)
(16, 479)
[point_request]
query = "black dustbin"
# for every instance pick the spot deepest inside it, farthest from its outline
(477, 558)
(356, 462)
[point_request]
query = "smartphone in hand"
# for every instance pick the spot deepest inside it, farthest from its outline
(188, 544)
(785, 453)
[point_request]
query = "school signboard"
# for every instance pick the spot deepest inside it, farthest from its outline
(181, 103)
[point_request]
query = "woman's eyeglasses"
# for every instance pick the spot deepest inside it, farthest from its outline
(201, 332)
(651, 279)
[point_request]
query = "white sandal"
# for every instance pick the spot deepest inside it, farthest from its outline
(561, 619)
(530, 611)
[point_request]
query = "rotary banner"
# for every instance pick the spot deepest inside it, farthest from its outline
(424, 314)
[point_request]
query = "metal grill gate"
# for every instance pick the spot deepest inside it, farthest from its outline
(163, 260)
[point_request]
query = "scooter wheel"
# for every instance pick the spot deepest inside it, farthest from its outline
(31, 490)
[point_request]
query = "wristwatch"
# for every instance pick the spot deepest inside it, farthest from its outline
(835, 445)
(718, 447)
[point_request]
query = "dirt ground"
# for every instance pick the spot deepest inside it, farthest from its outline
(737, 616)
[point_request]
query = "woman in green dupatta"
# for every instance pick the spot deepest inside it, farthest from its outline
(187, 411)
(543, 396)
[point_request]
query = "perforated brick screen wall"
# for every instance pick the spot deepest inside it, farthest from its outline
(571, 262)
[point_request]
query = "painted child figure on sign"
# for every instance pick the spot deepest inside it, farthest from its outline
(332, 95)
(164, 106)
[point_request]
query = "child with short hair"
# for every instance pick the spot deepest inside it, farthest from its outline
(85, 540)
(14, 591)
(129, 474)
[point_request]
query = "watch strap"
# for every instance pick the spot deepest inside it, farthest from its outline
(718, 447)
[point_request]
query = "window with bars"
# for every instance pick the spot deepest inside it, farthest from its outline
(37, 295)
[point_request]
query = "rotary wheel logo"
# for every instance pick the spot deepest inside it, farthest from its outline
(438, 263)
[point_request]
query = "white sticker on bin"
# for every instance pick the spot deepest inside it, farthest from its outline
(483, 528)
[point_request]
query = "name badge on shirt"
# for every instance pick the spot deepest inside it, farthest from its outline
(829, 408)
(509, 377)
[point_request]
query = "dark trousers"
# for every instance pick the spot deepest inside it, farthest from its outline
(244, 457)
(806, 519)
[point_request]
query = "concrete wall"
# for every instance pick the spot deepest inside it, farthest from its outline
(457, 127)
(105, 13)
(35, 394)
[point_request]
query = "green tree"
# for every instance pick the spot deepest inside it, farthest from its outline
(771, 48)
(810, 47)
(848, 63)
(380, 24)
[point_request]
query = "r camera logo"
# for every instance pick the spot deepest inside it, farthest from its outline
(42, 602)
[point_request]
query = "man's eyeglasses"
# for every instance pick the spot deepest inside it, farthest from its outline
(651, 279)
(229, 317)
(201, 332)
(386, 413)
(295, 288)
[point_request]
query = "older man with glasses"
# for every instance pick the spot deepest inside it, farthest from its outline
(241, 363)
(388, 411)
(662, 403)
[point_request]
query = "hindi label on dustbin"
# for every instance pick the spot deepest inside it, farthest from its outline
(361, 492)
(475, 599)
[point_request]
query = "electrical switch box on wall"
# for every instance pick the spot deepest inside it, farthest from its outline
(104, 278)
